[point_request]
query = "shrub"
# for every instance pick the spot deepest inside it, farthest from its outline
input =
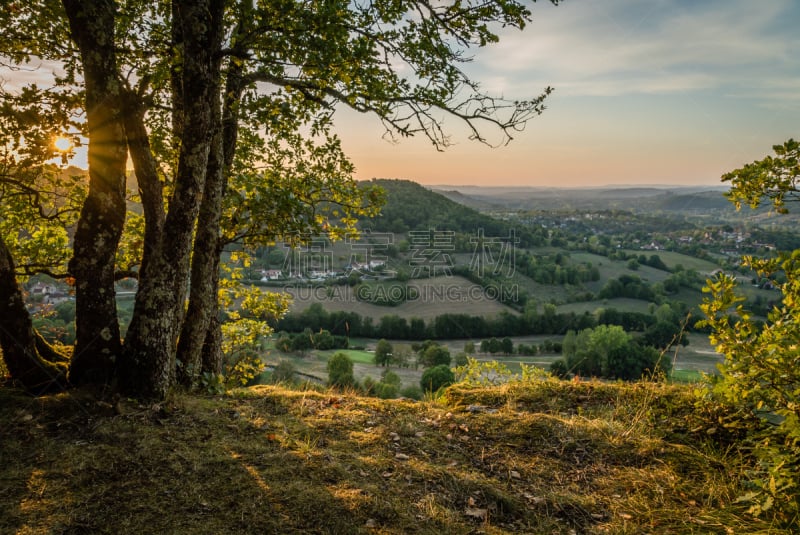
(435, 355)
(390, 378)
(412, 392)
(283, 372)
(340, 370)
(437, 377)
(386, 390)
(559, 368)
(461, 358)
(323, 340)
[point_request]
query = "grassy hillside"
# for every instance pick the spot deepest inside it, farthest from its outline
(410, 206)
(546, 457)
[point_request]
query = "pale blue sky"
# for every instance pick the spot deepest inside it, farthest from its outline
(646, 92)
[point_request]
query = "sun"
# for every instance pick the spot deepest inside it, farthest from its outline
(62, 143)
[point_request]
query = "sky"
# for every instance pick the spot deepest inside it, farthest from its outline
(667, 92)
(646, 92)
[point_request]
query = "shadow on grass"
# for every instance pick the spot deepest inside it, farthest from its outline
(270, 460)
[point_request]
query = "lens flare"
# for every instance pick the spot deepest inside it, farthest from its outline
(62, 143)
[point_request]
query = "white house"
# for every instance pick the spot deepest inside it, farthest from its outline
(271, 274)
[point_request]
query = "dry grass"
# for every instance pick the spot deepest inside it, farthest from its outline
(547, 458)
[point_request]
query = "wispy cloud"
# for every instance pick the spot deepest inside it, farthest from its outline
(618, 47)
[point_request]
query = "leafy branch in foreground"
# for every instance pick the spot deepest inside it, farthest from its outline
(761, 371)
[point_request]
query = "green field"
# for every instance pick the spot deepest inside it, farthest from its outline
(672, 259)
(436, 296)
(686, 376)
(356, 355)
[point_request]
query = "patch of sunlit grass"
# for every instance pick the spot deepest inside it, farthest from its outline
(548, 457)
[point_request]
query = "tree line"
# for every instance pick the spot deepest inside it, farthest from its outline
(461, 326)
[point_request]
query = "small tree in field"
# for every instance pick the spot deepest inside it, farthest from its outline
(340, 371)
(435, 355)
(283, 372)
(383, 353)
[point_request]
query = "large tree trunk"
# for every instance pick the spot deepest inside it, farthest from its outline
(33, 364)
(200, 334)
(102, 217)
(148, 365)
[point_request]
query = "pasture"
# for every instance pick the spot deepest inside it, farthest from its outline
(434, 297)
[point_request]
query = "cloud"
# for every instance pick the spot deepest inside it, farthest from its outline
(619, 47)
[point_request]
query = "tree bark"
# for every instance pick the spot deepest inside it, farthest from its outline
(205, 261)
(212, 347)
(148, 364)
(102, 217)
(200, 325)
(33, 364)
(146, 169)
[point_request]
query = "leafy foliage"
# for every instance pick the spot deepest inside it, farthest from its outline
(608, 351)
(761, 372)
(434, 355)
(774, 177)
(340, 371)
(436, 378)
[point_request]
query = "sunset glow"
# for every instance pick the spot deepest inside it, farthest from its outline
(62, 144)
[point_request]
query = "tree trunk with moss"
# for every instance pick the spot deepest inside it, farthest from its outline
(200, 335)
(99, 228)
(147, 368)
(205, 262)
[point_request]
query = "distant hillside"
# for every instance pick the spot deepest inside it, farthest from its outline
(410, 206)
(466, 200)
(683, 200)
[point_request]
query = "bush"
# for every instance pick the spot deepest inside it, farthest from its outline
(340, 371)
(385, 390)
(303, 341)
(368, 386)
(323, 340)
(435, 355)
(461, 358)
(437, 377)
(559, 368)
(283, 372)
(412, 392)
(390, 378)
